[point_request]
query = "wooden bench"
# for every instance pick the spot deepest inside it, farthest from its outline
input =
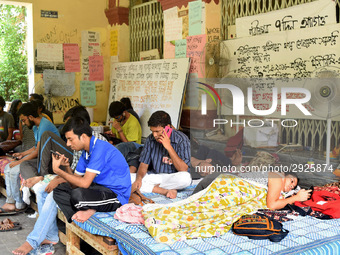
(71, 239)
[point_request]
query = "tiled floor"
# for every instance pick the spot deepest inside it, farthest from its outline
(13, 239)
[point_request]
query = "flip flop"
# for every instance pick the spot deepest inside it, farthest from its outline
(8, 225)
(4, 212)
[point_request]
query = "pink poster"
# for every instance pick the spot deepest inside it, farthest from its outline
(71, 57)
(96, 68)
(195, 51)
(169, 50)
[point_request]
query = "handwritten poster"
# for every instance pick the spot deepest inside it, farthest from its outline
(195, 52)
(114, 42)
(295, 54)
(151, 85)
(50, 52)
(195, 18)
(71, 57)
(88, 93)
(314, 14)
(59, 83)
(169, 50)
(181, 48)
(90, 42)
(172, 25)
(85, 71)
(96, 68)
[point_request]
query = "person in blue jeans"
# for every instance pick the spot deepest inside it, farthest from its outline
(28, 160)
(45, 229)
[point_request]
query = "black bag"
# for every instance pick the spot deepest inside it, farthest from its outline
(258, 226)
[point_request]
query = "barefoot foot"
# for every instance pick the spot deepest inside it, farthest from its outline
(172, 193)
(32, 181)
(82, 216)
(23, 249)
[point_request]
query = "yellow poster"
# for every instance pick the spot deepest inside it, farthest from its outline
(114, 43)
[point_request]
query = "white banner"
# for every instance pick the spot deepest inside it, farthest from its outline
(315, 14)
(288, 58)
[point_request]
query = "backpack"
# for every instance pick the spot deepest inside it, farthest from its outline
(258, 226)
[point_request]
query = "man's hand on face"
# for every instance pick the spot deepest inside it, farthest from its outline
(165, 140)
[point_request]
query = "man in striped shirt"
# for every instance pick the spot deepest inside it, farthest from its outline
(165, 159)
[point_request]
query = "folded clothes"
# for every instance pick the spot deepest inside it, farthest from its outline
(130, 213)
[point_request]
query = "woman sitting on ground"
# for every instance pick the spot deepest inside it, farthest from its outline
(277, 184)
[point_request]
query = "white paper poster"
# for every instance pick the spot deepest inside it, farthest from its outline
(49, 52)
(90, 42)
(315, 14)
(172, 25)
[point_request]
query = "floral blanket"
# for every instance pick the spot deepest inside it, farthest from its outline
(209, 213)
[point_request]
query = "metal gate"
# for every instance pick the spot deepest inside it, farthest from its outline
(146, 29)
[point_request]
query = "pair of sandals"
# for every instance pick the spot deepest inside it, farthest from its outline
(8, 225)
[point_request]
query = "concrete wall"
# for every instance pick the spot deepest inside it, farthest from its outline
(73, 17)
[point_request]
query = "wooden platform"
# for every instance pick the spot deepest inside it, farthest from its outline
(71, 239)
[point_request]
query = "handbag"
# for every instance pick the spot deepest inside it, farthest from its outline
(8, 145)
(258, 226)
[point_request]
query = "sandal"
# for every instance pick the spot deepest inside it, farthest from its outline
(8, 225)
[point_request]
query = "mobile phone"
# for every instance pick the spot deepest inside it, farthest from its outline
(311, 188)
(10, 155)
(54, 153)
(168, 131)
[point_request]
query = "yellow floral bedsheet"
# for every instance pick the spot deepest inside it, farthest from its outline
(206, 214)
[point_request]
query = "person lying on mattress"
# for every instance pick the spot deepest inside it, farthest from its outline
(277, 184)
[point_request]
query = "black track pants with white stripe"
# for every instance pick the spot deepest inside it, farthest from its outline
(96, 197)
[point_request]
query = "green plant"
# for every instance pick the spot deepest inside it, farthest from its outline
(13, 55)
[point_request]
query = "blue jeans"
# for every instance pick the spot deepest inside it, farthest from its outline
(46, 225)
(12, 181)
(127, 147)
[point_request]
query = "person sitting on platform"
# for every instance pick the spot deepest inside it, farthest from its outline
(125, 127)
(28, 163)
(45, 229)
(164, 161)
(101, 181)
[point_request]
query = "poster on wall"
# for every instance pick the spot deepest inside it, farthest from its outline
(88, 93)
(114, 42)
(71, 57)
(172, 25)
(59, 83)
(280, 59)
(151, 85)
(90, 42)
(314, 14)
(196, 18)
(96, 68)
(195, 46)
(49, 52)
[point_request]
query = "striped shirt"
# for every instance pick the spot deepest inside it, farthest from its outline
(153, 153)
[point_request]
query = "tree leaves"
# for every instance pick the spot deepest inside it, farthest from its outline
(13, 53)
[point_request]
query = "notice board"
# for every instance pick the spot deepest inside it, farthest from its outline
(151, 86)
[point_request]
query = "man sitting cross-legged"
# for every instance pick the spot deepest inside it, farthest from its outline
(169, 158)
(101, 180)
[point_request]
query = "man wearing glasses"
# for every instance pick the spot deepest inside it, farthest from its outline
(27, 163)
(125, 126)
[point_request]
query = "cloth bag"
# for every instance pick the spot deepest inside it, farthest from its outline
(257, 226)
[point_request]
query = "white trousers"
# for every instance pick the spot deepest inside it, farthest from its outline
(179, 180)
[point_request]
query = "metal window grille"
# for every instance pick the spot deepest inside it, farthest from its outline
(308, 132)
(146, 29)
